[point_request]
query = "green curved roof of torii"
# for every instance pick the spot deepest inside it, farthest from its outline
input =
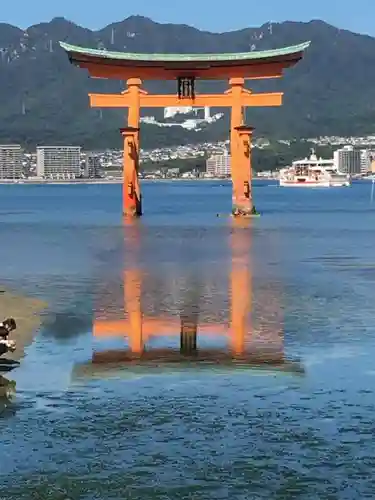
(233, 57)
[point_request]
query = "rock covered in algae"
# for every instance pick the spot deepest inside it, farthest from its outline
(7, 389)
(27, 313)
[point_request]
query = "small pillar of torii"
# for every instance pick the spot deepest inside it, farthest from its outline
(186, 69)
(242, 201)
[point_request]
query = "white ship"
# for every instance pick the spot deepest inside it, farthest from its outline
(313, 172)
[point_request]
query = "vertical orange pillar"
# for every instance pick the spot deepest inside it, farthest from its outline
(240, 288)
(236, 120)
(240, 155)
(245, 203)
(132, 200)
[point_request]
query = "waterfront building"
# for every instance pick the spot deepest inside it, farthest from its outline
(10, 161)
(366, 156)
(219, 165)
(58, 162)
(347, 160)
(93, 166)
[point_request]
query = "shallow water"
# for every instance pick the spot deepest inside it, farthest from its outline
(189, 433)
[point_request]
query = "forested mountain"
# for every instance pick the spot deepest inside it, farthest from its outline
(44, 98)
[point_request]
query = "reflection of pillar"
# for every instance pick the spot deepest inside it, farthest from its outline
(264, 335)
(132, 298)
(132, 195)
(240, 284)
(133, 286)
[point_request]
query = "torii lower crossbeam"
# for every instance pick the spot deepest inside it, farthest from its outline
(236, 97)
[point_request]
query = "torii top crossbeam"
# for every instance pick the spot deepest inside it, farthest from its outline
(249, 65)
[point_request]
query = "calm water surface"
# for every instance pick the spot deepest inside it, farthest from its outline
(202, 434)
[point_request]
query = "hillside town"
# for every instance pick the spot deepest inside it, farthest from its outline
(352, 155)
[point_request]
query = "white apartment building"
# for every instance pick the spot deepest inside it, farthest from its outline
(366, 158)
(10, 161)
(58, 162)
(171, 111)
(219, 165)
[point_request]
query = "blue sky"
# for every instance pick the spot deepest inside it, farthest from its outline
(203, 14)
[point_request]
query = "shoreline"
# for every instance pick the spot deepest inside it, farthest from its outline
(115, 181)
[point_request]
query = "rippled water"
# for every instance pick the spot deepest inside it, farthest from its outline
(193, 433)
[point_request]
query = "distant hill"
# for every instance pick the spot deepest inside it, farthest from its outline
(44, 98)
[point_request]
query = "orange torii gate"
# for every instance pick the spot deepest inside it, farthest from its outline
(245, 344)
(186, 69)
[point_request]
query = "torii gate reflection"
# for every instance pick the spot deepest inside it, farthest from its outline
(246, 345)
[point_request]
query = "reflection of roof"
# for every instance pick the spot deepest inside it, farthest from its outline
(240, 57)
(109, 363)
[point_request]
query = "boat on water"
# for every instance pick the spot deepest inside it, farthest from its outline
(313, 172)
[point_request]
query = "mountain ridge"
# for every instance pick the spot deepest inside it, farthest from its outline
(140, 19)
(44, 98)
